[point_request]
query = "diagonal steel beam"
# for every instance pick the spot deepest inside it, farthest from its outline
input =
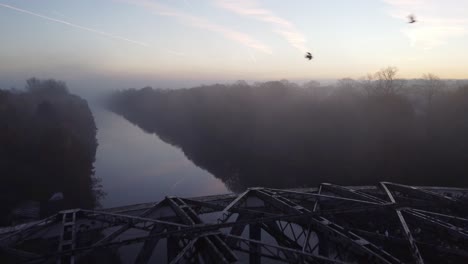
(402, 241)
(334, 232)
(280, 253)
(420, 193)
(120, 219)
(147, 249)
(350, 193)
(218, 249)
(237, 230)
(267, 207)
(19, 254)
(317, 202)
(220, 208)
(459, 233)
(148, 246)
(412, 243)
(409, 237)
(282, 239)
(184, 230)
(238, 199)
(22, 233)
(316, 197)
(127, 226)
(461, 220)
(184, 251)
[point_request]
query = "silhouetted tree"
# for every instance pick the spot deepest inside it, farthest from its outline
(432, 85)
(47, 145)
(282, 135)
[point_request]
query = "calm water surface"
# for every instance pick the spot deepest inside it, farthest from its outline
(137, 167)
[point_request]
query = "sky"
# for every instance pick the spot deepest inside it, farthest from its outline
(179, 42)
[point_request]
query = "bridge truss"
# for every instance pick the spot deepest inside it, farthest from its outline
(387, 223)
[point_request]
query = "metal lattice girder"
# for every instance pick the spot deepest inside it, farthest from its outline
(387, 191)
(147, 249)
(298, 197)
(335, 232)
(454, 231)
(313, 197)
(403, 242)
(413, 247)
(345, 228)
(121, 219)
(237, 230)
(280, 253)
(412, 244)
(202, 207)
(218, 249)
(350, 193)
(313, 201)
(20, 255)
(68, 235)
(317, 202)
(227, 211)
(182, 253)
(282, 239)
(460, 221)
(129, 225)
(178, 230)
(181, 231)
(218, 208)
(22, 233)
(113, 235)
(420, 193)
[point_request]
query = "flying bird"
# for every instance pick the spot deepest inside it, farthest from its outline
(308, 56)
(412, 19)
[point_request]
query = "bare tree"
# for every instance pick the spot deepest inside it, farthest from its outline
(311, 84)
(367, 83)
(386, 81)
(347, 83)
(432, 85)
(315, 89)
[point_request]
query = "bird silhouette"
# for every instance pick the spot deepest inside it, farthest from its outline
(308, 56)
(412, 19)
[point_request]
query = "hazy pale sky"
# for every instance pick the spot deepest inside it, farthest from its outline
(230, 40)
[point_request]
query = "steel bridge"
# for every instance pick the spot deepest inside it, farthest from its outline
(386, 223)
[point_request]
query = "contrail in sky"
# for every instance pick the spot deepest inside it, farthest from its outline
(177, 183)
(252, 57)
(202, 23)
(281, 26)
(74, 25)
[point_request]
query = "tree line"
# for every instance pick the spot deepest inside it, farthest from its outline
(283, 134)
(47, 145)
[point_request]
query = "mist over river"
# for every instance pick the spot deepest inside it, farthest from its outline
(137, 167)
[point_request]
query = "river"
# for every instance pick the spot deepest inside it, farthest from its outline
(137, 167)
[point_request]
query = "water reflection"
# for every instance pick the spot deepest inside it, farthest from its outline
(277, 134)
(137, 167)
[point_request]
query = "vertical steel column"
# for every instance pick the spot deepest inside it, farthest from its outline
(323, 245)
(255, 233)
(172, 244)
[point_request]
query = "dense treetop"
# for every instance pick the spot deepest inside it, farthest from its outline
(287, 135)
(47, 145)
